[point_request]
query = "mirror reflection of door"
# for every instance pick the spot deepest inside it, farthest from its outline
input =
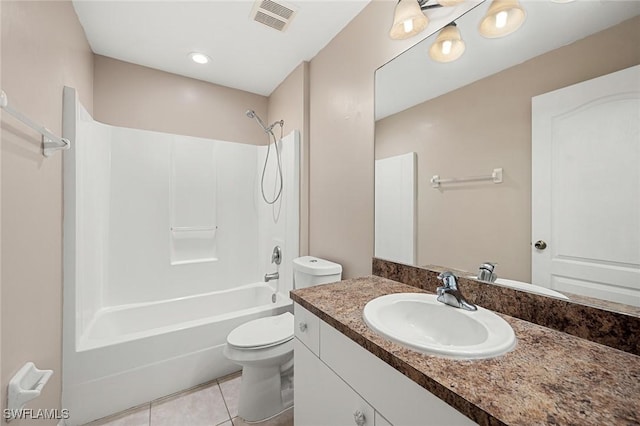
(395, 208)
(586, 188)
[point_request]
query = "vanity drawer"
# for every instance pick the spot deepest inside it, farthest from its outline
(307, 328)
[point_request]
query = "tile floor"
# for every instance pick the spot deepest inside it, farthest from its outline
(211, 404)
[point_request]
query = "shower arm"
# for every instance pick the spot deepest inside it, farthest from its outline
(252, 114)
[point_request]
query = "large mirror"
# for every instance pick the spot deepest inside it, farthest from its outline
(473, 118)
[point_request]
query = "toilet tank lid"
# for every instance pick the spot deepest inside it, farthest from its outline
(316, 266)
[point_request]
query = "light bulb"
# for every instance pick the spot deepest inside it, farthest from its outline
(446, 47)
(408, 25)
(501, 19)
(199, 58)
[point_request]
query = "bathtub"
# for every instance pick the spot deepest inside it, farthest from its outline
(132, 354)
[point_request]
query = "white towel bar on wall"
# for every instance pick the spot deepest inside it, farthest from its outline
(50, 142)
(495, 176)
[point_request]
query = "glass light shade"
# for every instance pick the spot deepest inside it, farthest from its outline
(447, 3)
(408, 20)
(491, 25)
(448, 46)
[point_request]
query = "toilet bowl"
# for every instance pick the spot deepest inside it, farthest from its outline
(264, 349)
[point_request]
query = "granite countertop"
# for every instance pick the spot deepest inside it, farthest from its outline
(549, 378)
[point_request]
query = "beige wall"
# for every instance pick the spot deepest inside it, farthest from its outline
(43, 49)
(130, 95)
(342, 135)
(2, 388)
(463, 226)
(290, 102)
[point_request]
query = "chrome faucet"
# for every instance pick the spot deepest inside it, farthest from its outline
(449, 293)
(486, 272)
(269, 277)
(276, 257)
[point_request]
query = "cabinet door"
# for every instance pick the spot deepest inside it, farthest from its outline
(307, 328)
(321, 398)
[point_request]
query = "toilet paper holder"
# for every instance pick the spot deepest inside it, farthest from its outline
(26, 385)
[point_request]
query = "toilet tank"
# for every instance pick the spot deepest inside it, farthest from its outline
(309, 271)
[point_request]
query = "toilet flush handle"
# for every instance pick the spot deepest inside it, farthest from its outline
(303, 326)
(358, 416)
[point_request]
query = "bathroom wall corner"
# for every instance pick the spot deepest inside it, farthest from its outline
(290, 102)
(341, 138)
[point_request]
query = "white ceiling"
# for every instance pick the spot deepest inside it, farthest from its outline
(245, 55)
(413, 78)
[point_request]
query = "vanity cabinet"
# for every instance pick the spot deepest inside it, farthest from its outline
(339, 383)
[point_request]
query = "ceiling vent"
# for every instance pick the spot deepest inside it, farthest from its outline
(276, 15)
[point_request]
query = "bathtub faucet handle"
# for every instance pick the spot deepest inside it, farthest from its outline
(276, 256)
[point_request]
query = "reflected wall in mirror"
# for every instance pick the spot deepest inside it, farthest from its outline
(468, 117)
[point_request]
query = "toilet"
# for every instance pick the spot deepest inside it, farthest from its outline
(264, 348)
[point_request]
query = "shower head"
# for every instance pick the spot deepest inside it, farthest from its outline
(267, 129)
(252, 114)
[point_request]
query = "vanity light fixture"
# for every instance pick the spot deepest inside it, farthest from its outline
(448, 46)
(502, 18)
(409, 18)
(199, 58)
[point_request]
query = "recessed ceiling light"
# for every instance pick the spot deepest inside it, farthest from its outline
(199, 58)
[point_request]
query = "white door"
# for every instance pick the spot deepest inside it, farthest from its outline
(586, 188)
(395, 208)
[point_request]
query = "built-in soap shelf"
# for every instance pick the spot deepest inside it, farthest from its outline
(193, 244)
(25, 385)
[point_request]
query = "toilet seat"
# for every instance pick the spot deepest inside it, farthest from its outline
(262, 333)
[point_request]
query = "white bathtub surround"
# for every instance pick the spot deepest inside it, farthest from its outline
(165, 247)
(193, 201)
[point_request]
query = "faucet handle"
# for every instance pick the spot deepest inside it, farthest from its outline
(276, 255)
(489, 266)
(449, 280)
(486, 272)
(445, 274)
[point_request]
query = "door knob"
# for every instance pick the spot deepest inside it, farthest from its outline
(540, 245)
(358, 417)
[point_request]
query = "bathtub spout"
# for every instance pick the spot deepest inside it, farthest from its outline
(269, 277)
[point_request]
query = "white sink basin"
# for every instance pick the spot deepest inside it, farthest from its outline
(419, 321)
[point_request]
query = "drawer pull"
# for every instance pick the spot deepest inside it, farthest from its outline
(358, 416)
(303, 326)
